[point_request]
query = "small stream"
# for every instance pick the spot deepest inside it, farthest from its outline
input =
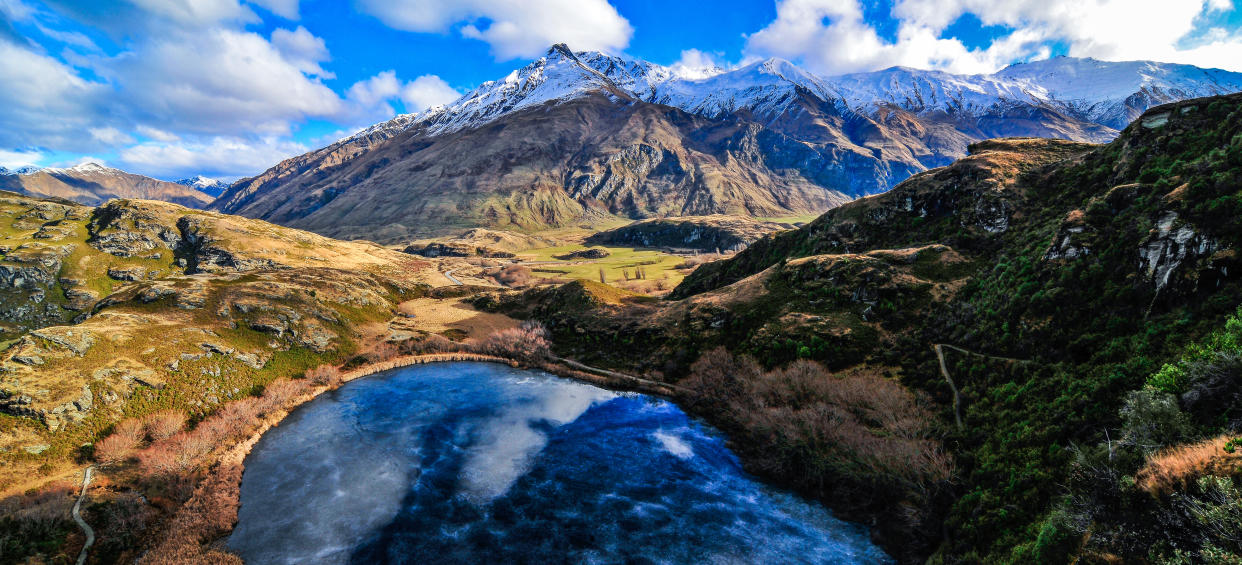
(483, 463)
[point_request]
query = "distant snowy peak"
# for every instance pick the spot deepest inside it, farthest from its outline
(209, 186)
(1106, 93)
(557, 76)
(88, 168)
(26, 170)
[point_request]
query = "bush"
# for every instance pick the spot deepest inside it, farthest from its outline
(280, 391)
(517, 276)
(527, 342)
(164, 424)
(431, 343)
(1151, 420)
(324, 375)
(116, 448)
(382, 351)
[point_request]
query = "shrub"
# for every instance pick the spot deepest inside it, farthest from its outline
(280, 391)
(324, 375)
(382, 351)
(164, 424)
(116, 448)
(528, 342)
(1151, 420)
(431, 343)
(517, 276)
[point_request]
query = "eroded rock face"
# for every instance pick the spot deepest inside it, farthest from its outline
(1172, 245)
(1068, 243)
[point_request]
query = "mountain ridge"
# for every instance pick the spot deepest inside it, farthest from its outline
(848, 136)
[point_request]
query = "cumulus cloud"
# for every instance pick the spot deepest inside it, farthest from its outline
(220, 81)
(832, 36)
(371, 100)
(425, 92)
(20, 158)
(287, 9)
(513, 28)
(695, 64)
(303, 50)
(45, 102)
(217, 156)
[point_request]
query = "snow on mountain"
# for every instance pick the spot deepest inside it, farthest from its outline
(1114, 93)
(26, 170)
(1106, 93)
(209, 186)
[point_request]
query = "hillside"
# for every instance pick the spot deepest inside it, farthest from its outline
(580, 139)
(580, 161)
(1065, 308)
(93, 184)
(704, 233)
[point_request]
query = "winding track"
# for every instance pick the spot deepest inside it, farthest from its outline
(77, 515)
(449, 275)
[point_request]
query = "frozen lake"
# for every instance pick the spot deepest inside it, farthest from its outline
(483, 463)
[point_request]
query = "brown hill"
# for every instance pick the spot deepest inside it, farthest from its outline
(93, 184)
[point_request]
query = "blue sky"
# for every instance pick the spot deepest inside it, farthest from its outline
(226, 88)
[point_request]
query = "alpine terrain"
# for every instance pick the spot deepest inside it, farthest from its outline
(579, 138)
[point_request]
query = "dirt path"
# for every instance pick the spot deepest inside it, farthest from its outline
(944, 371)
(449, 275)
(77, 515)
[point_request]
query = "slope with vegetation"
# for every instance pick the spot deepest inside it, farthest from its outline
(1084, 291)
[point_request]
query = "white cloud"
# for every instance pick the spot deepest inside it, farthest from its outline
(302, 49)
(369, 101)
(513, 28)
(20, 158)
(218, 156)
(219, 81)
(425, 92)
(156, 133)
(110, 135)
(831, 36)
(695, 64)
(45, 103)
(287, 9)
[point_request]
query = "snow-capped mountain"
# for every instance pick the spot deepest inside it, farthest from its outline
(209, 186)
(28, 169)
(573, 138)
(1110, 94)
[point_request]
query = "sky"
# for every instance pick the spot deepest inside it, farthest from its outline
(228, 88)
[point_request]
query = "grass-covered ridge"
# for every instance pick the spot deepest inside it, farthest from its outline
(1065, 275)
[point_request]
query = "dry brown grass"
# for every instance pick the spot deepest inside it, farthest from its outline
(207, 516)
(1176, 467)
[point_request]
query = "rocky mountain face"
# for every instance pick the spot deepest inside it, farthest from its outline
(765, 137)
(564, 163)
(93, 184)
(1041, 293)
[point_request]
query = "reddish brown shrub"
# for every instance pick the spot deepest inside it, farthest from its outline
(209, 514)
(280, 391)
(382, 351)
(528, 341)
(857, 431)
(324, 375)
(117, 448)
(517, 276)
(431, 343)
(164, 424)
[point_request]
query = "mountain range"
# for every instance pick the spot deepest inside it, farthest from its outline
(574, 138)
(93, 184)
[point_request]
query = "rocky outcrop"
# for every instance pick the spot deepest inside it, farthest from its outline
(1172, 245)
(703, 233)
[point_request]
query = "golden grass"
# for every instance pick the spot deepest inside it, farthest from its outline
(1176, 467)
